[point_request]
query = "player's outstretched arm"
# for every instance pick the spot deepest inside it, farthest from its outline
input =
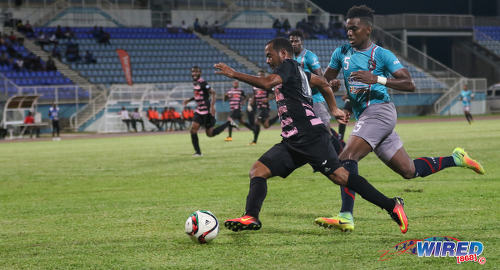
(327, 92)
(267, 82)
(185, 102)
(402, 80)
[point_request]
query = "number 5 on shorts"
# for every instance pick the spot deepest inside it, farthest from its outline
(357, 126)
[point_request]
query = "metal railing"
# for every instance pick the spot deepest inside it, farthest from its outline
(125, 4)
(425, 21)
(411, 54)
(476, 85)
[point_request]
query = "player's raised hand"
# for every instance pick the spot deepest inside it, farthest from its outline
(334, 84)
(224, 69)
(364, 76)
(340, 116)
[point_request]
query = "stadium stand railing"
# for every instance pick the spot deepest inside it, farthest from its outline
(156, 55)
(425, 21)
(478, 86)
(489, 37)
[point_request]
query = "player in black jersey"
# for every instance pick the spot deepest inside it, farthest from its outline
(236, 98)
(204, 115)
(260, 99)
(305, 137)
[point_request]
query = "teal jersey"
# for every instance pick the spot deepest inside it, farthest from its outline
(377, 60)
(466, 96)
(309, 62)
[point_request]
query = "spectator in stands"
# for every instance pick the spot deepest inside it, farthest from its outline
(54, 117)
(104, 37)
(50, 65)
(56, 52)
(154, 118)
(36, 64)
(59, 33)
(42, 39)
(217, 28)
(12, 37)
(185, 28)
(89, 58)
(53, 39)
(204, 28)
(19, 64)
(136, 117)
(196, 25)
(125, 118)
(286, 26)
(68, 33)
(95, 33)
(171, 28)
(26, 28)
(11, 51)
(277, 25)
(29, 119)
(20, 26)
(72, 52)
(4, 59)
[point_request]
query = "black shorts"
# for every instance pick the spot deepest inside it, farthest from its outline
(205, 120)
(236, 114)
(263, 114)
(283, 158)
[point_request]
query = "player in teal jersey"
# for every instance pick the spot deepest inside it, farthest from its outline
(310, 63)
(366, 68)
(466, 96)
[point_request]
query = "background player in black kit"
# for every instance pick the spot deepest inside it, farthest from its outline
(236, 98)
(305, 137)
(261, 100)
(204, 115)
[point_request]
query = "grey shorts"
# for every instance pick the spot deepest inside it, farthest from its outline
(376, 126)
(321, 111)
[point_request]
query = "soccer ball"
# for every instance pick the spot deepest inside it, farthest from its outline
(202, 226)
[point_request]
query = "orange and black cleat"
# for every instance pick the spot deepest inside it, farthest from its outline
(245, 222)
(398, 214)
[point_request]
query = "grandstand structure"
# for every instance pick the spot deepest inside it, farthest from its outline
(91, 94)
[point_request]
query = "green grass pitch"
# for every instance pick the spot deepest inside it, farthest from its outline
(121, 203)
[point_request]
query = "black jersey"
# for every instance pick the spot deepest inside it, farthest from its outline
(261, 97)
(295, 105)
(201, 96)
(236, 97)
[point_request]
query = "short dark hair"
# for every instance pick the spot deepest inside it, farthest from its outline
(196, 67)
(297, 33)
(280, 43)
(362, 12)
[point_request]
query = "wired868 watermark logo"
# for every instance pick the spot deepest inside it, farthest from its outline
(438, 246)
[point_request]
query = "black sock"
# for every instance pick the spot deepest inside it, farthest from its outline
(369, 193)
(220, 128)
(230, 130)
(341, 131)
(247, 125)
(256, 131)
(196, 145)
(348, 196)
(273, 120)
(335, 142)
(425, 166)
(256, 195)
